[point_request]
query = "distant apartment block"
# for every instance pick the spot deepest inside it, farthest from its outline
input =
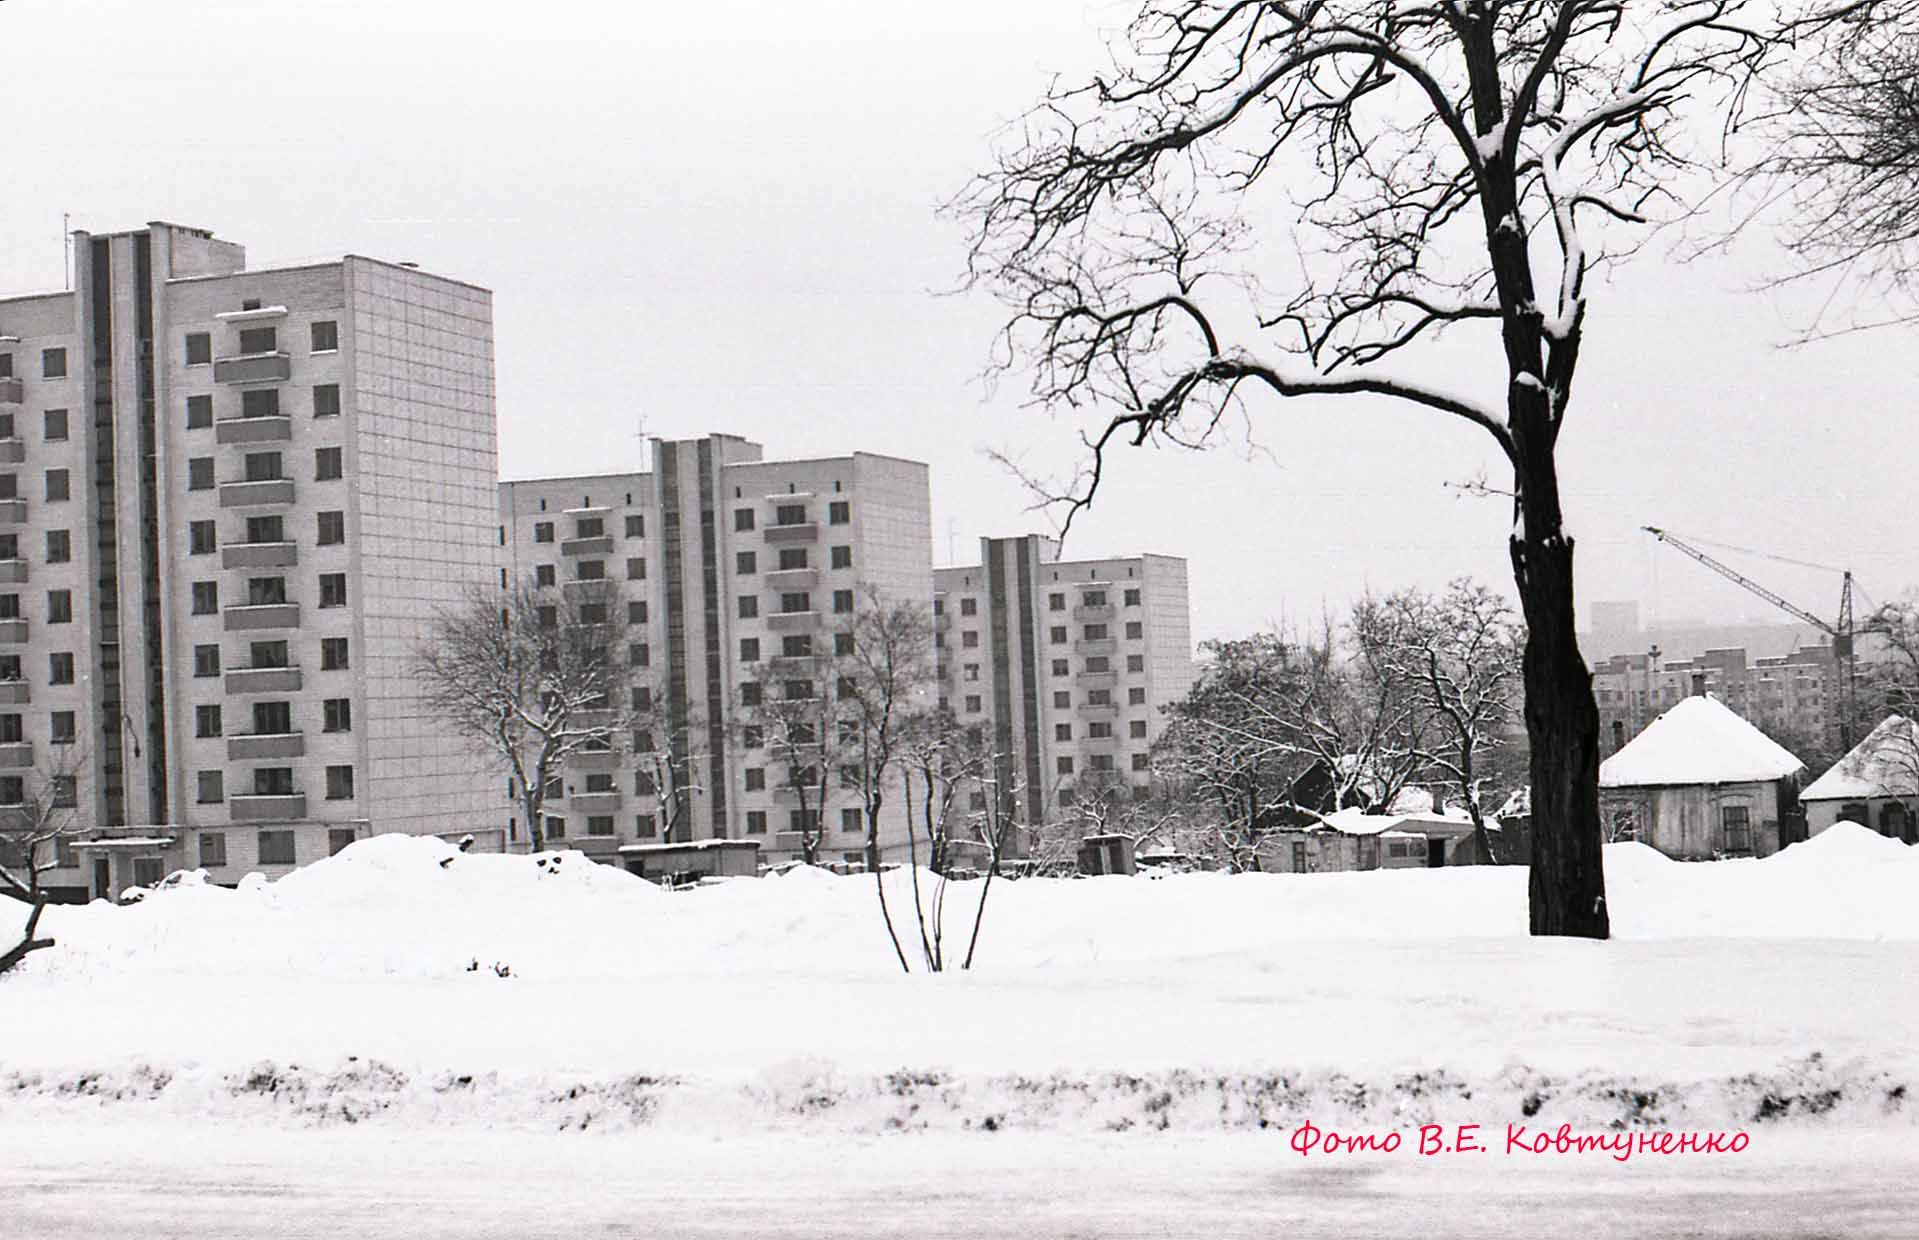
(229, 502)
(725, 564)
(1066, 665)
(1797, 694)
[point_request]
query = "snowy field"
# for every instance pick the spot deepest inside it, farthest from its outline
(1150, 1034)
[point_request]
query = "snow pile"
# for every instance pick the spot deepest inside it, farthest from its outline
(1699, 741)
(403, 979)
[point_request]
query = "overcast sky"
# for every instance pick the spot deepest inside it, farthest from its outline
(720, 216)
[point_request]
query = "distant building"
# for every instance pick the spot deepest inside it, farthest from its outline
(1700, 782)
(229, 500)
(1876, 785)
(1065, 665)
(725, 563)
(1797, 694)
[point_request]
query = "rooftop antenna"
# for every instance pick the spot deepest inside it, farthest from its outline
(639, 433)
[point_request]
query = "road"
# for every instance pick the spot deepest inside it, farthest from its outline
(101, 1179)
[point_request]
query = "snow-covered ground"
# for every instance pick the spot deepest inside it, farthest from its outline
(359, 1000)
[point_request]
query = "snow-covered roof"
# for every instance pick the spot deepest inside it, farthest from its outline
(1355, 821)
(127, 841)
(1885, 764)
(1699, 741)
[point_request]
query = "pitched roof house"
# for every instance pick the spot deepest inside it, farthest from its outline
(1876, 785)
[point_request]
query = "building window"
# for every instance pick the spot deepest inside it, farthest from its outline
(336, 715)
(206, 597)
(842, 557)
(789, 514)
(199, 349)
(56, 425)
(60, 727)
(60, 667)
(599, 824)
(548, 617)
(1062, 731)
(1135, 630)
(326, 465)
(1062, 668)
(206, 721)
(852, 819)
(1062, 700)
(206, 661)
(259, 340)
(213, 844)
(53, 363)
(742, 518)
(1135, 662)
(556, 828)
(636, 525)
(1132, 598)
(263, 467)
(796, 645)
(636, 569)
(1136, 696)
(1056, 602)
(199, 412)
(325, 336)
(333, 654)
(542, 531)
(1099, 730)
(1139, 761)
(326, 400)
(636, 613)
(970, 672)
(339, 783)
(749, 650)
(59, 546)
(792, 557)
(751, 693)
(756, 822)
(639, 654)
(842, 643)
(58, 487)
(839, 512)
(332, 528)
(260, 403)
(1096, 633)
(201, 537)
(543, 575)
(276, 848)
(590, 570)
(745, 563)
(755, 778)
(972, 704)
(842, 602)
(749, 606)
(333, 589)
(1057, 634)
(338, 839)
(969, 640)
(1064, 765)
(59, 606)
(1136, 729)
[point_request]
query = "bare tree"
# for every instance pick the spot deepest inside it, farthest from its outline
(1841, 144)
(1456, 164)
(35, 835)
(1458, 657)
(788, 708)
(535, 675)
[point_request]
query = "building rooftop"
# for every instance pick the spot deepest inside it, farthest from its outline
(1699, 741)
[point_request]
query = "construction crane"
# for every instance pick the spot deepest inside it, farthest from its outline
(1843, 631)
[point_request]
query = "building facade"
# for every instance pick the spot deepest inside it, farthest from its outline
(725, 563)
(1066, 665)
(230, 501)
(1799, 694)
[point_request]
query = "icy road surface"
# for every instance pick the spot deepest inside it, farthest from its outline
(105, 1180)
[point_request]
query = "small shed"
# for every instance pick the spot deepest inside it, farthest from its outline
(692, 860)
(1352, 839)
(1875, 785)
(1107, 854)
(1700, 783)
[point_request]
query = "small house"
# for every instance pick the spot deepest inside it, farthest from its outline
(1875, 785)
(692, 860)
(1700, 783)
(1352, 839)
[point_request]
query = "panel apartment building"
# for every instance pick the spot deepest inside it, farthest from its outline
(1798, 694)
(726, 562)
(1065, 664)
(229, 502)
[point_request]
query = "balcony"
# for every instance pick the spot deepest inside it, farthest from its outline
(601, 717)
(13, 572)
(1095, 612)
(799, 531)
(13, 512)
(1100, 744)
(781, 579)
(1098, 680)
(256, 616)
(594, 759)
(15, 693)
(253, 368)
(587, 585)
(13, 632)
(599, 545)
(258, 807)
(13, 452)
(260, 555)
(793, 621)
(261, 746)
(1099, 708)
(270, 429)
(255, 494)
(264, 680)
(12, 391)
(1095, 645)
(15, 755)
(607, 802)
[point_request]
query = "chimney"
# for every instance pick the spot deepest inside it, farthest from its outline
(1618, 735)
(1699, 684)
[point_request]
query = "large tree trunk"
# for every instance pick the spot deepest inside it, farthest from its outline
(1567, 891)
